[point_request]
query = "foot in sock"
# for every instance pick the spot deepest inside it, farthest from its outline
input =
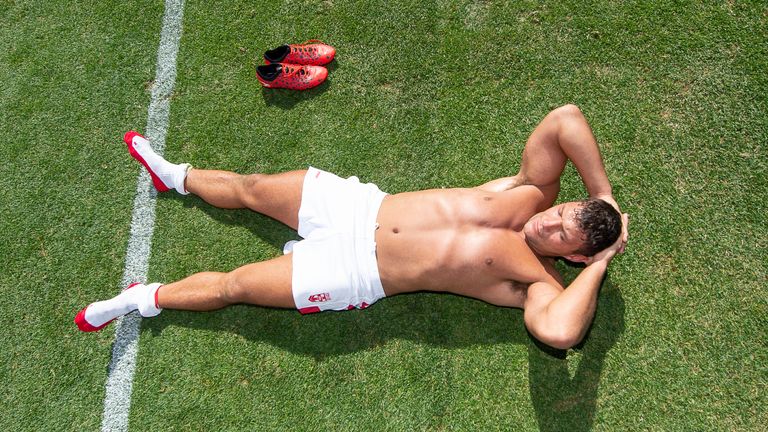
(165, 175)
(97, 315)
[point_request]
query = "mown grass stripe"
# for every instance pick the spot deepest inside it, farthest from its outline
(117, 400)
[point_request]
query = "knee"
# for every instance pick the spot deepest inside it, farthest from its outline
(250, 185)
(231, 289)
(251, 182)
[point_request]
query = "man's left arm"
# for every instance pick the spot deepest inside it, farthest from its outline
(577, 142)
(563, 134)
(501, 184)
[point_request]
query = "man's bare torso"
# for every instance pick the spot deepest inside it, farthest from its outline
(464, 241)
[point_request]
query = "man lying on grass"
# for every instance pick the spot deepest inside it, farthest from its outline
(495, 242)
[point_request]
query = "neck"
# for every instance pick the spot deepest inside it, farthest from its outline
(536, 250)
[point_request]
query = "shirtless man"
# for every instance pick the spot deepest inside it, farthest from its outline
(495, 242)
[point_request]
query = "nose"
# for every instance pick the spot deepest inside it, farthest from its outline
(550, 223)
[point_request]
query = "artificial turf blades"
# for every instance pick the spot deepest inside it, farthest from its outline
(422, 94)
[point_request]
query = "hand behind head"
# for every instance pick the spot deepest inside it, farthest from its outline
(618, 247)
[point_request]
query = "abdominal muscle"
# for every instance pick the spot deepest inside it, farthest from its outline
(462, 241)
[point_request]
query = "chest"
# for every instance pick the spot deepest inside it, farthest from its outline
(500, 254)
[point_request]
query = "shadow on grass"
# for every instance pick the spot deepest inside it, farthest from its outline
(563, 397)
(566, 400)
(263, 227)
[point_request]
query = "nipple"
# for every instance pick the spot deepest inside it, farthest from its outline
(488, 261)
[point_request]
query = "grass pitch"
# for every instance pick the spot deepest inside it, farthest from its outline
(422, 94)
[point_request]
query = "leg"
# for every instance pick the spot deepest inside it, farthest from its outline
(266, 283)
(275, 195)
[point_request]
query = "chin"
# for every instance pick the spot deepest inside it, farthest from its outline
(531, 237)
(528, 230)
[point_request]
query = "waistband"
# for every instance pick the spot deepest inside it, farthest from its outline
(366, 246)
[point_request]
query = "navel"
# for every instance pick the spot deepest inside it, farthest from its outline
(487, 198)
(395, 230)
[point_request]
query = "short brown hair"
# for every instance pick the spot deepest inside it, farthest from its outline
(600, 224)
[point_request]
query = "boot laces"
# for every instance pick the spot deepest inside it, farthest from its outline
(305, 49)
(291, 70)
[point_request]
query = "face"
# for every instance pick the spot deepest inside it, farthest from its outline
(555, 232)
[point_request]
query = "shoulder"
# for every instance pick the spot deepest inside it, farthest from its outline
(536, 276)
(523, 267)
(544, 286)
(552, 275)
(520, 185)
(523, 201)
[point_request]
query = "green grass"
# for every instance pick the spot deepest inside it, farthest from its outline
(423, 94)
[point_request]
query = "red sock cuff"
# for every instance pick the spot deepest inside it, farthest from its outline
(157, 291)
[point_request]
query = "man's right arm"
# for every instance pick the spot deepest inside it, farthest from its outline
(565, 134)
(561, 317)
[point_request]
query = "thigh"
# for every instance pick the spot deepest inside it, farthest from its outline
(277, 195)
(266, 283)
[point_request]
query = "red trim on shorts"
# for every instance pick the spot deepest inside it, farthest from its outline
(309, 310)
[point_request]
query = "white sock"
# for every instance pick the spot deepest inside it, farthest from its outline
(139, 296)
(172, 175)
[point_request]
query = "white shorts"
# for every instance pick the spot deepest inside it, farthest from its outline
(334, 267)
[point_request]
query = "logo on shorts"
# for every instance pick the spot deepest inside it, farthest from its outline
(319, 298)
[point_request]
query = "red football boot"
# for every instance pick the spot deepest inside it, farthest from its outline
(84, 325)
(291, 76)
(315, 54)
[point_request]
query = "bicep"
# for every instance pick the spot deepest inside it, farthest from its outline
(539, 295)
(543, 159)
(550, 192)
(537, 318)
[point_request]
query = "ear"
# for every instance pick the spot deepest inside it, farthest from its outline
(578, 258)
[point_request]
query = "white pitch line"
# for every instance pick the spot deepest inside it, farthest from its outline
(117, 400)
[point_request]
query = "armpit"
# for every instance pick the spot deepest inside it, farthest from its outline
(519, 286)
